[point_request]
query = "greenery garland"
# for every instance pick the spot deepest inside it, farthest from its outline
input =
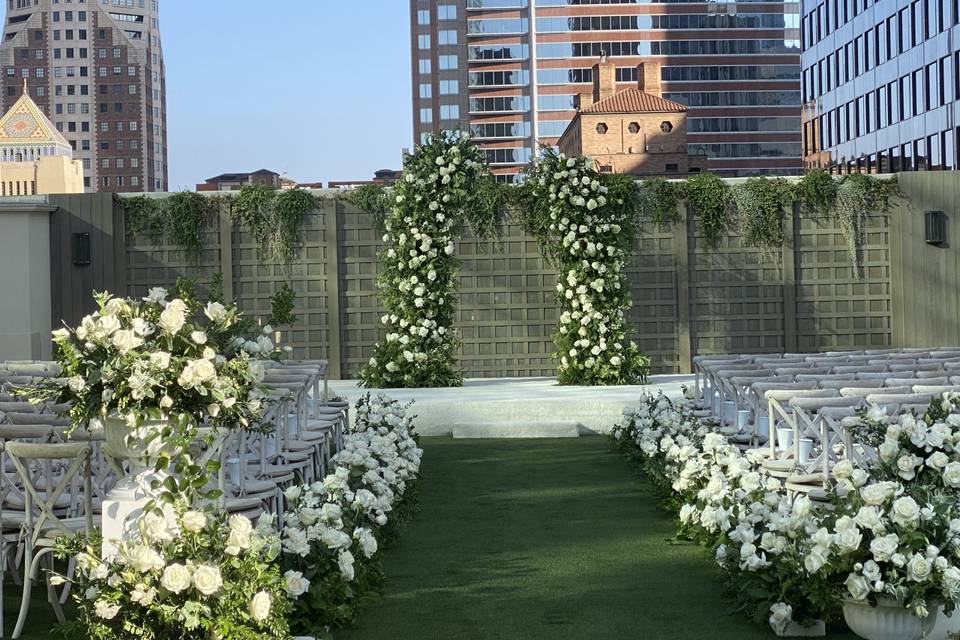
(276, 219)
(709, 197)
(445, 187)
(180, 219)
(760, 203)
(657, 200)
(585, 222)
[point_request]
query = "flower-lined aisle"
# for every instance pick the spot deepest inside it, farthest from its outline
(891, 534)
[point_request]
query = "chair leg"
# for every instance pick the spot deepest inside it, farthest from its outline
(27, 588)
(52, 596)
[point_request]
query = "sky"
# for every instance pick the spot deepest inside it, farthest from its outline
(317, 90)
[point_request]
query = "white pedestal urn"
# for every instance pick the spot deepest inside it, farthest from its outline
(125, 502)
(887, 621)
(947, 627)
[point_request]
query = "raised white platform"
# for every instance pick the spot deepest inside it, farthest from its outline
(519, 407)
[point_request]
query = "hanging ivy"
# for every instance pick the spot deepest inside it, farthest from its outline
(276, 219)
(371, 198)
(816, 192)
(657, 201)
(282, 306)
(759, 203)
(180, 219)
(708, 195)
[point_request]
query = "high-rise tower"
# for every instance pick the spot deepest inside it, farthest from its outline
(509, 71)
(95, 68)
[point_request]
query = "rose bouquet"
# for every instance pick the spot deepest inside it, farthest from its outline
(153, 358)
(198, 575)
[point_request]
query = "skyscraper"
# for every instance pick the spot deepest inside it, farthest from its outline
(509, 72)
(95, 68)
(880, 85)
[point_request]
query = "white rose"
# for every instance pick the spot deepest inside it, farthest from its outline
(848, 540)
(156, 528)
(260, 606)
(214, 311)
(937, 460)
(295, 584)
(781, 614)
(172, 319)
(106, 610)
(143, 559)
(126, 340)
(76, 384)
(905, 511)
(884, 547)
(814, 560)
(194, 521)
(919, 568)
(157, 295)
(345, 562)
(857, 586)
(160, 359)
(207, 579)
(951, 475)
(292, 494)
(175, 578)
(198, 337)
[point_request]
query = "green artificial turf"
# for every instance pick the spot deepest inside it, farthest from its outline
(544, 539)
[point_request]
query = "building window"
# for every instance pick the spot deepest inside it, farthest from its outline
(672, 167)
(447, 12)
(634, 127)
(448, 62)
(447, 37)
(602, 128)
(426, 91)
(426, 116)
(449, 112)
(449, 87)
(423, 41)
(666, 127)
(423, 17)
(425, 65)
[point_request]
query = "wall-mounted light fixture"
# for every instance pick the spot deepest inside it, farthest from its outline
(935, 227)
(81, 249)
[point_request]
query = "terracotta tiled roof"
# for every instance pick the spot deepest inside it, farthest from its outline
(634, 101)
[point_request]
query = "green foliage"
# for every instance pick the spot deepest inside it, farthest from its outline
(276, 219)
(586, 222)
(816, 192)
(215, 289)
(282, 307)
(709, 195)
(657, 200)
(181, 219)
(760, 203)
(371, 198)
(446, 188)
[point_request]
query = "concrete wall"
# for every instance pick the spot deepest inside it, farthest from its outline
(25, 314)
(687, 299)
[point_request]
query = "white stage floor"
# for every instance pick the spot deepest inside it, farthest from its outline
(519, 407)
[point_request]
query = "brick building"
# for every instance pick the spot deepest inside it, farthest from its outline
(635, 131)
(95, 68)
(234, 181)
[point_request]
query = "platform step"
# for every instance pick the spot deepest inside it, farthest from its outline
(517, 430)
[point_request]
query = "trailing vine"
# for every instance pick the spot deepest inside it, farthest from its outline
(276, 219)
(282, 306)
(585, 222)
(816, 192)
(442, 191)
(708, 195)
(657, 200)
(760, 203)
(371, 198)
(180, 219)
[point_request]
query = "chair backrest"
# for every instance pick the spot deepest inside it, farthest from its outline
(838, 413)
(855, 390)
(43, 485)
(815, 404)
(937, 373)
(869, 375)
(900, 398)
(36, 418)
(760, 388)
(781, 395)
(859, 368)
(935, 388)
(791, 370)
(19, 407)
(929, 366)
(815, 377)
(842, 383)
(901, 382)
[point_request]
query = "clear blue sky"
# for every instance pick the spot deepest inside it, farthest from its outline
(319, 89)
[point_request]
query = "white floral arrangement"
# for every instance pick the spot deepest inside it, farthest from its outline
(587, 229)
(332, 529)
(442, 188)
(193, 575)
(153, 358)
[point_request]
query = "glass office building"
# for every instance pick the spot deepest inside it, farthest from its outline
(879, 84)
(509, 72)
